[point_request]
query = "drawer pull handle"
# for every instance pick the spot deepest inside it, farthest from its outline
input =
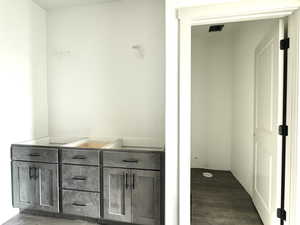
(79, 204)
(133, 181)
(130, 161)
(34, 154)
(126, 181)
(79, 178)
(31, 173)
(79, 157)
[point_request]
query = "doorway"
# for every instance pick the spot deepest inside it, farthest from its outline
(236, 106)
(233, 13)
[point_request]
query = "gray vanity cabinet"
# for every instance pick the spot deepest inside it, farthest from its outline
(132, 187)
(145, 197)
(113, 186)
(117, 194)
(132, 196)
(35, 186)
(24, 185)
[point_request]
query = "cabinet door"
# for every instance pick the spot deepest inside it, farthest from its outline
(146, 197)
(117, 194)
(24, 188)
(47, 187)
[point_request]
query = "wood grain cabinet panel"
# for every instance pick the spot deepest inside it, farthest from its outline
(47, 187)
(132, 160)
(24, 186)
(81, 157)
(86, 204)
(117, 194)
(132, 196)
(146, 197)
(35, 186)
(86, 178)
(35, 154)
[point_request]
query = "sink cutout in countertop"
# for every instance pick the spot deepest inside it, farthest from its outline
(93, 144)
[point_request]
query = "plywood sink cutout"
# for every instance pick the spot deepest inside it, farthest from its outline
(93, 144)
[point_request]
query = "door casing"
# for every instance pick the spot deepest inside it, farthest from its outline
(235, 12)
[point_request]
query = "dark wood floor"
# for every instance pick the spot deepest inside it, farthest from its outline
(24, 219)
(221, 200)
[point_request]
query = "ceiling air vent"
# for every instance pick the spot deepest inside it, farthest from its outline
(216, 28)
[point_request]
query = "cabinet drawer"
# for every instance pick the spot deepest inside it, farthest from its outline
(84, 157)
(132, 160)
(80, 203)
(86, 178)
(35, 154)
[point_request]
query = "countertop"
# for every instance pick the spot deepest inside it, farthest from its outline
(91, 143)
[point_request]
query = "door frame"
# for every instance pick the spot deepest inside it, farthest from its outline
(225, 13)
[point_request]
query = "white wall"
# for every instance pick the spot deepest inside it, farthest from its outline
(97, 84)
(246, 38)
(23, 90)
(212, 68)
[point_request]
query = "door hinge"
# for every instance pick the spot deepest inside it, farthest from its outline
(281, 214)
(285, 44)
(283, 130)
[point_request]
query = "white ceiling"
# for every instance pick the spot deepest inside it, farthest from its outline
(53, 4)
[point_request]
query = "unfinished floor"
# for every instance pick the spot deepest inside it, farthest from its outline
(221, 200)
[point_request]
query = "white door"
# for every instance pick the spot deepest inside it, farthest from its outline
(268, 95)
